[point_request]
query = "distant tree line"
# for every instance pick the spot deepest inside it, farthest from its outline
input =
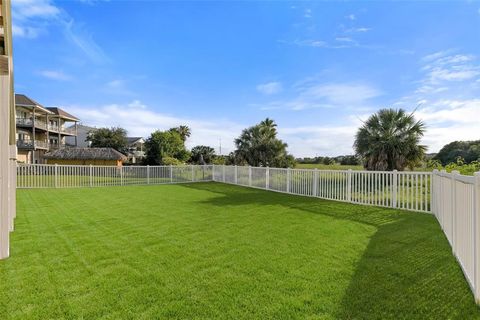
(350, 160)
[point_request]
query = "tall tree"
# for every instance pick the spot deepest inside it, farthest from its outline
(114, 137)
(259, 146)
(468, 150)
(165, 145)
(202, 154)
(390, 139)
(183, 131)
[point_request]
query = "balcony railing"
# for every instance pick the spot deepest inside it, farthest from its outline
(68, 130)
(32, 144)
(25, 121)
(29, 122)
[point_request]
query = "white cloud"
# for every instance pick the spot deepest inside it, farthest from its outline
(450, 120)
(55, 75)
(32, 18)
(308, 13)
(351, 17)
(140, 120)
(311, 95)
(359, 29)
(269, 88)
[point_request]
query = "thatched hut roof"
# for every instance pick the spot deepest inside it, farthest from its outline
(85, 154)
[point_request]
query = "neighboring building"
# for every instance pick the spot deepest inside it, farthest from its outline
(86, 156)
(81, 139)
(135, 149)
(40, 129)
(7, 130)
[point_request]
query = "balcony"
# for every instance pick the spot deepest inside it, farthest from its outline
(53, 146)
(32, 144)
(70, 130)
(29, 122)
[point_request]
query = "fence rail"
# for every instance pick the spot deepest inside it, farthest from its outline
(454, 199)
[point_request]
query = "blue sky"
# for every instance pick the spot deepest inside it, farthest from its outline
(316, 68)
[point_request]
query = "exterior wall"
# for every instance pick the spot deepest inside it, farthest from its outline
(8, 151)
(85, 162)
(81, 137)
(24, 156)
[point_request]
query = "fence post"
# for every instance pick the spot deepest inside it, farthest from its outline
(223, 173)
(476, 241)
(235, 180)
(394, 189)
(121, 175)
(433, 192)
(349, 185)
(193, 174)
(454, 208)
(171, 174)
(90, 175)
(213, 172)
(315, 182)
(56, 175)
(148, 174)
(289, 174)
(267, 178)
(249, 176)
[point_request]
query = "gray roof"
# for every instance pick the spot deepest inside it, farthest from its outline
(63, 113)
(85, 154)
(131, 140)
(24, 101)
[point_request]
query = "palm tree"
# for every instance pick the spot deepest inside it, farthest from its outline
(183, 131)
(389, 140)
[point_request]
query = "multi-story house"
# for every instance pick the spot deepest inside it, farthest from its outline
(40, 129)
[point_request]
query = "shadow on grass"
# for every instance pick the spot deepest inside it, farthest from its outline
(407, 270)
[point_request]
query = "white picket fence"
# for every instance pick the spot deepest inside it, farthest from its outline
(77, 176)
(454, 199)
(401, 190)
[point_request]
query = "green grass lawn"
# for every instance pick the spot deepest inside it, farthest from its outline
(209, 250)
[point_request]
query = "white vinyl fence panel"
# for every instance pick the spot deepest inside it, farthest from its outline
(456, 204)
(400, 190)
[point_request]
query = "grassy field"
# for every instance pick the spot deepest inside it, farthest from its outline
(208, 250)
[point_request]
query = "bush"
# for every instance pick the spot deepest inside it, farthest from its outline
(169, 161)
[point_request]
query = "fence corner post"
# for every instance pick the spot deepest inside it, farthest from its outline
(289, 174)
(90, 175)
(193, 174)
(476, 241)
(315, 182)
(249, 176)
(454, 209)
(394, 188)
(267, 178)
(56, 175)
(148, 174)
(349, 185)
(223, 173)
(213, 171)
(235, 180)
(171, 174)
(433, 192)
